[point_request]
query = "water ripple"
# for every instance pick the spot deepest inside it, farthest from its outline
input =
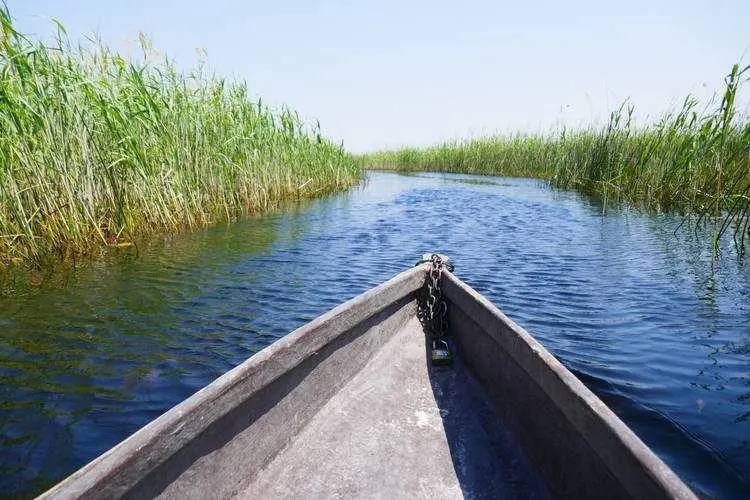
(635, 311)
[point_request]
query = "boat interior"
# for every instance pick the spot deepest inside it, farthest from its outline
(350, 405)
(402, 428)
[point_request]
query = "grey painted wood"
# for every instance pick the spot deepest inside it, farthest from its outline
(273, 420)
(300, 370)
(581, 446)
(401, 428)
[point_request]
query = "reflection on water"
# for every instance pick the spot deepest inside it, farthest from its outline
(89, 356)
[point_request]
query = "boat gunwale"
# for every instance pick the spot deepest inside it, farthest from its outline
(260, 370)
(574, 396)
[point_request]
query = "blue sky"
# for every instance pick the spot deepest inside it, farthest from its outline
(385, 74)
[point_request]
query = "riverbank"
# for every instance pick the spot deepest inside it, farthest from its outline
(100, 149)
(696, 161)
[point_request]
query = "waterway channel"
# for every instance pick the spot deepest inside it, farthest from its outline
(626, 300)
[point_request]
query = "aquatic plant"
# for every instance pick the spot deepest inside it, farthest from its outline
(101, 149)
(693, 160)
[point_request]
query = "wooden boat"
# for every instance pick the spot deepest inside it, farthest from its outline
(349, 406)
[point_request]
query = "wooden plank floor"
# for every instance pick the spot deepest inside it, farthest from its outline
(400, 429)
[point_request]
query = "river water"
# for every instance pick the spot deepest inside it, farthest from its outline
(627, 302)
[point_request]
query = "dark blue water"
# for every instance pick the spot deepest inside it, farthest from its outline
(633, 308)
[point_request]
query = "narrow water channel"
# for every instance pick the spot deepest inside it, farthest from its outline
(632, 307)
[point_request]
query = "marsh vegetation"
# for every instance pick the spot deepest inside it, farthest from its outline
(696, 159)
(98, 148)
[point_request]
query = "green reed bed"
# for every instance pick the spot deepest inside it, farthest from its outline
(519, 156)
(695, 160)
(98, 149)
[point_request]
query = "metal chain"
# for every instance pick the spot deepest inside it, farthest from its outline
(433, 309)
(437, 308)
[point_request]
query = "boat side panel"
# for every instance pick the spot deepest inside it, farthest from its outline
(227, 455)
(577, 440)
(567, 462)
(199, 418)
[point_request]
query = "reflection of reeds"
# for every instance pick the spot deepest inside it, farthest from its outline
(99, 149)
(689, 160)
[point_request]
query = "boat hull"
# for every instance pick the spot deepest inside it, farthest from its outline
(301, 413)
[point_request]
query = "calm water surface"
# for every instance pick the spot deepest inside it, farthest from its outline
(630, 306)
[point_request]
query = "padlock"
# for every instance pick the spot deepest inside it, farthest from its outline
(441, 354)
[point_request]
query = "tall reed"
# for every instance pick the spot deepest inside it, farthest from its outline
(693, 160)
(97, 148)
